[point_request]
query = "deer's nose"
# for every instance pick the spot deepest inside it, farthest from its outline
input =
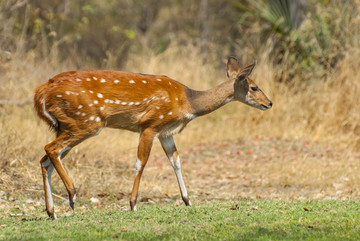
(270, 105)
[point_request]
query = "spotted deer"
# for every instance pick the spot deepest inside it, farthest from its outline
(79, 104)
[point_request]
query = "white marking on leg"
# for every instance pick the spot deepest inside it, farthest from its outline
(61, 152)
(177, 168)
(137, 166)
(46, 163)
(49, 169)
(168, 144)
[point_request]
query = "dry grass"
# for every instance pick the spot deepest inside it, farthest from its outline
(326, 112)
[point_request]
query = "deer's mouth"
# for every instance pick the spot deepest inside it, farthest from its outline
(266, 107)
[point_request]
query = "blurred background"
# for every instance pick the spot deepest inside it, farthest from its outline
(308, 57)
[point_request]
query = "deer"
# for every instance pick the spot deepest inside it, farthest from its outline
(77, 105)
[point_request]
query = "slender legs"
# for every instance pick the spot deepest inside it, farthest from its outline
(47, 168)
(144, 148)
(169, 147)
(55, 151)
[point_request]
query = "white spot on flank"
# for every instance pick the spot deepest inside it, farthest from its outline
(102, 108)
(91, 118)
(123, 103)
(97, 119)
(137, 103)
(176, 98)
(96, 102)
(67, 103)
(91, 104)
(116, 81)
(131, 81)
(77, 79)
(106, 101)
(169, 83)
(91, 91)
(131, 103)
(67, 92)
(161, 116)
(77, 113)
(80, 106)
(117, 102)
(111, 101)
(88, 79)
(170, 113)
(83, 114)
(85, 121)
(100, 95)
(144, 81)
(102, 80)
(94, 78)
(145, 99)
(157, 107)
(158, 79)
(83, 91)
(163, 98)
(59, 96)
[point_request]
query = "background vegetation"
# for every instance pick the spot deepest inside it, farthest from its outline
(308, 54)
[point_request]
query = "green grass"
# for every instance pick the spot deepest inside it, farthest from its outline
(243, 220)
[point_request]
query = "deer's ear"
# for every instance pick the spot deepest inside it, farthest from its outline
(245, 72)
(232, 67)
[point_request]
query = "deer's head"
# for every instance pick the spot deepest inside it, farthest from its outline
(245, 89)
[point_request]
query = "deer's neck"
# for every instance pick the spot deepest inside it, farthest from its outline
(204, 102)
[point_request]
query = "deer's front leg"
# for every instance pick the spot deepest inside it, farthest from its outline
(169, 147)
(144, 148)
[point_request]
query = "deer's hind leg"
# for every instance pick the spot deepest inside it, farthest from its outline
(56, 150)
(47, 168)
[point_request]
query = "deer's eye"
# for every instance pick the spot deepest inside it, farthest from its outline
(254, 88)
